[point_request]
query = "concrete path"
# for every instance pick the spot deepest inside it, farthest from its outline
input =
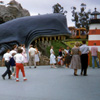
(45, 83)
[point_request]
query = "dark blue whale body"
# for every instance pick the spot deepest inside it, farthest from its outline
(26, 29)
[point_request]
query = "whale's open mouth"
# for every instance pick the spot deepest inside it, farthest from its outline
(33, 29)
(44, 41)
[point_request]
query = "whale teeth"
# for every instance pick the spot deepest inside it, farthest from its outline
(49, 38)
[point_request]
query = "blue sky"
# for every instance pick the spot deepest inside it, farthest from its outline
(45, 6)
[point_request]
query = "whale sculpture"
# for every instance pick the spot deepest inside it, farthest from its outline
(26, 29)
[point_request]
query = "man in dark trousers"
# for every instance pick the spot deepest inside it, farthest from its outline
(6, 58)
(84, 58)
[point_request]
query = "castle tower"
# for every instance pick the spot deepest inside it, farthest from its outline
(94, 29)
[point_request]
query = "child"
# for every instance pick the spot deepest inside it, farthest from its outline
(25, 55)
(12, 64)
(19, 64)
(60, 60)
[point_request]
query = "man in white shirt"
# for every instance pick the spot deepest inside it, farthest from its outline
(6, 58)
(84, 58)
(32, 52)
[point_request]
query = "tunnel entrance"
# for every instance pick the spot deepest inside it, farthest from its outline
(43, 42)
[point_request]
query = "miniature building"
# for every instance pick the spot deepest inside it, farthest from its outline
(78, 33)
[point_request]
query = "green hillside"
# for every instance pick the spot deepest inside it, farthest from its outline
(57, 44)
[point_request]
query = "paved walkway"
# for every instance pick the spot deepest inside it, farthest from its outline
(45, 83)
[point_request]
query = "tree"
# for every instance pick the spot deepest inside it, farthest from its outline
(81, 18)
(57, 8)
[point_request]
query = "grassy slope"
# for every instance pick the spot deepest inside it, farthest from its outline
(56, 44)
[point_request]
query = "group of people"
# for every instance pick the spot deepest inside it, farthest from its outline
(34, 55)
(80, 58)
(76, 58)
(16, 59)
(64, 57)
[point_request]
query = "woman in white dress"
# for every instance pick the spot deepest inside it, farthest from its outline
(52, 58)
(37, 56)
(25, 55)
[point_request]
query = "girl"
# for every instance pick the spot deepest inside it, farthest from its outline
(37, 56)
(25, 55)
(12, 64)
(19, 64)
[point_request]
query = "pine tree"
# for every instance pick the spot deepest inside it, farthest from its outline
(81, 18)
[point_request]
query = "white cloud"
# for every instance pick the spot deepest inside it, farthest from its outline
(45, 6)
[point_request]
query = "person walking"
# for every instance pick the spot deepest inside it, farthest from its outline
(60, 52)
(75, 61)
(13, 65)
(37, 56)
(67, 57)
(19, 59)
(52, 58)
(13, 51)
(94, 54)
(25, 55)
(84, 57)
(6, 58)
(32, 52)
(51, 50)
(12, 61)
